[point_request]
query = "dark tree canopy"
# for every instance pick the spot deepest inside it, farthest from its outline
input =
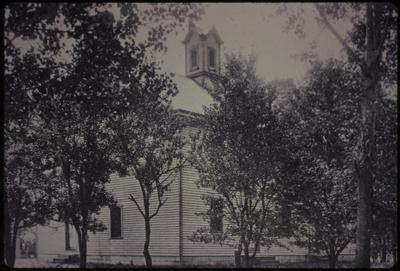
(238, 158)
(321, 184)
(70, 69)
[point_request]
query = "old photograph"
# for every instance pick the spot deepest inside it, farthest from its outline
(200, 135)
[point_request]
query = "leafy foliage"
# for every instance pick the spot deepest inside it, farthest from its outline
(384, 224)
(148, 144)
(73, 69)
(371, 45)
(238, 156)
(321, 185)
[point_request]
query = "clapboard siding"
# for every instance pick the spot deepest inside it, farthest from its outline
(51, 240)
(164, 226)
(192, 204)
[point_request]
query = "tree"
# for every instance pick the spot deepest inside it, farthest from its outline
(69, 95)
(75, 113)
(103, 94)
(321, 184)
(149, 146)
(28, 191)
(384, 238)
(237, 159)
(371, 44)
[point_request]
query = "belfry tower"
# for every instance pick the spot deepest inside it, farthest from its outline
(202, 54)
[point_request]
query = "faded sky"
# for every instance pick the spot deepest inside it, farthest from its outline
(255, 27)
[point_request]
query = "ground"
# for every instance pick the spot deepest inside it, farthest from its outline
(35, 263)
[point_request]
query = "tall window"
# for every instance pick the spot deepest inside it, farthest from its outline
(216, 215)
(116, 222)
(211, 58)
(285, 216)
(194, 59)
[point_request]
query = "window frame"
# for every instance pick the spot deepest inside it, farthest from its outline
(285, 219)
(192, 66)
(121, 224)
(211, 50)
(285, 215)
(214, 215)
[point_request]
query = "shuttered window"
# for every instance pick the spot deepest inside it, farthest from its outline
(116, 222)
(216, 215)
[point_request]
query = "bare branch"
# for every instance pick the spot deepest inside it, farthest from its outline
(160, 203)
(349, 50)
(179, 165)
(136, 203)
(232, 208)
(343, 246)
(166, 178)
(10, 41)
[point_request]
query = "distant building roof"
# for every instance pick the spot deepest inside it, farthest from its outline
(191, 96)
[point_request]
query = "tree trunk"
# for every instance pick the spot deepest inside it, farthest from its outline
(82, 242)
(383, 249)
(246, 255)
(10, 243)
(82, 250)
(363, 240)
(146, 252)
(332, 261)
(366, 148)
(238, 256)
(67, 237)
(7, 236)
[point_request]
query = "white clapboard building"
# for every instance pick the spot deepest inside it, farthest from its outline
(177, 220)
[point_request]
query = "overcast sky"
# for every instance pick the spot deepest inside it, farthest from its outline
(255, 27)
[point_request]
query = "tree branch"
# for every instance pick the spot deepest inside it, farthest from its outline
(232, 208)
(349, 50)
(160, 201)
(166, 178)
(160, 204)
(342, 247)
(136, 203)
(179, 165)
(9, 41)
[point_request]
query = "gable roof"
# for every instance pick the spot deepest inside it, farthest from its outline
(213, 31)
(191, 96)
(194, 29)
